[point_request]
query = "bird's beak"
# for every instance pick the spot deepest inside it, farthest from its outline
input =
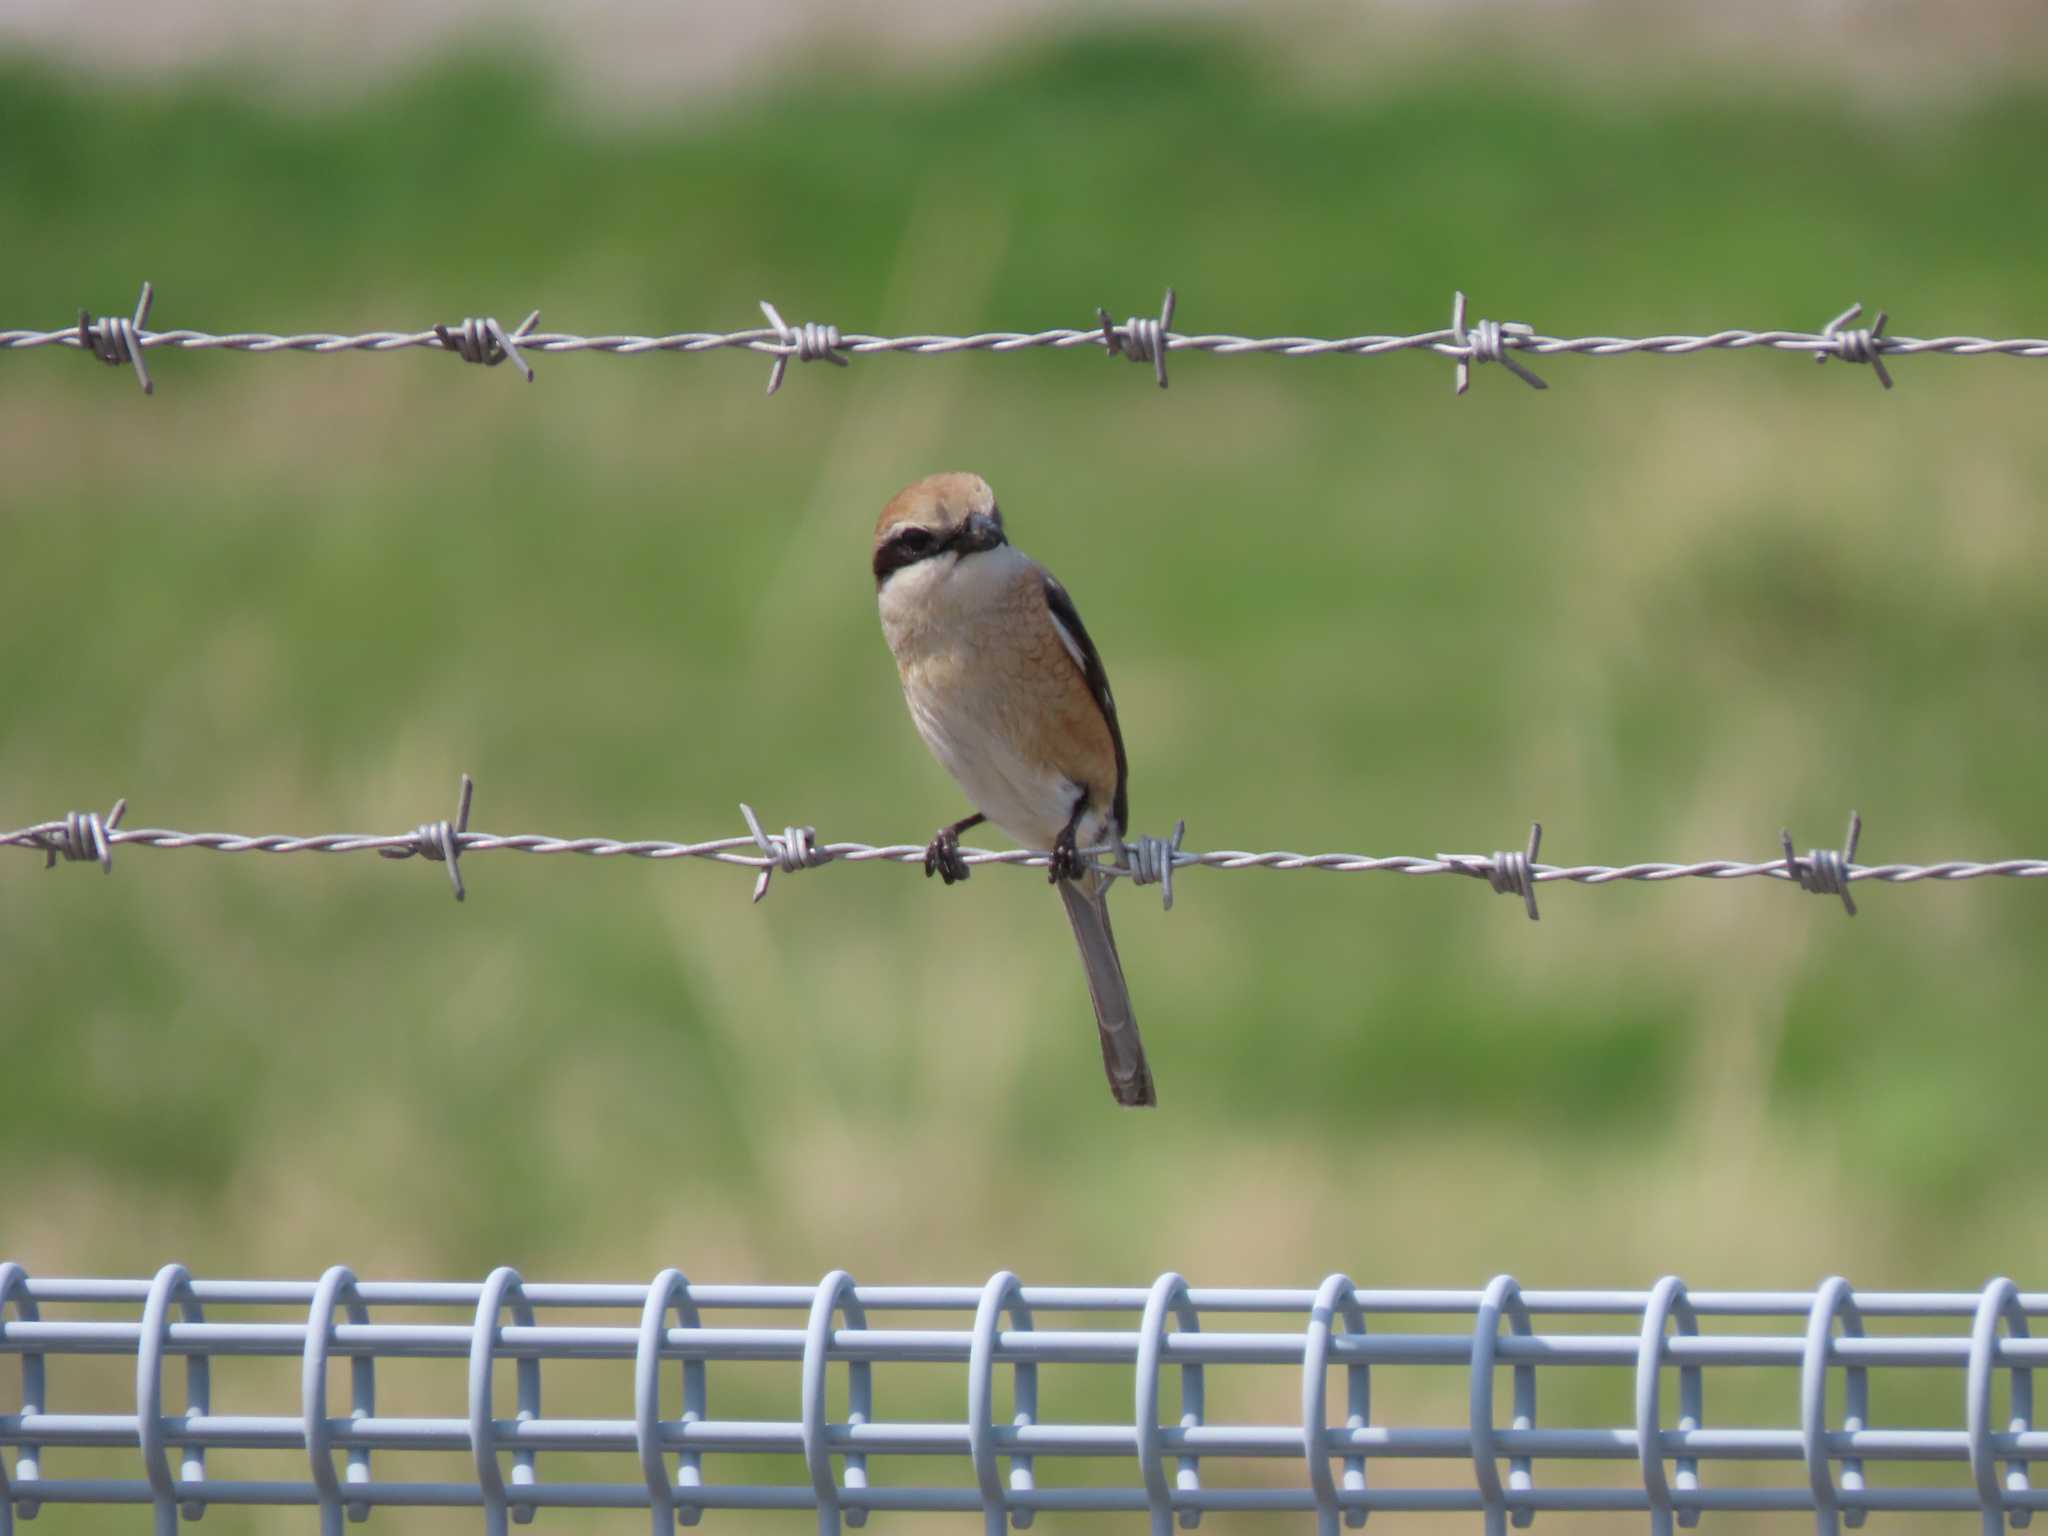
(979, 532)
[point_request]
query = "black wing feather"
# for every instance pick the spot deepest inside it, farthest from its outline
(1063, 609)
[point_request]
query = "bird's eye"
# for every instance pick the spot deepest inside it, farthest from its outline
(915, 541)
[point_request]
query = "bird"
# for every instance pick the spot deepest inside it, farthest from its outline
(1009, 693)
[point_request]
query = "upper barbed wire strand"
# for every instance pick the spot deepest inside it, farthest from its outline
(766, 340)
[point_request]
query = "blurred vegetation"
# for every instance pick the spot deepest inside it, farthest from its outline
(1667, 607)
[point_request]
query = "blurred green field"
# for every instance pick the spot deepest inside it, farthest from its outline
(1666, 607)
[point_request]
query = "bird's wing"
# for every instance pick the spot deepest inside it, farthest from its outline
(1066, 620)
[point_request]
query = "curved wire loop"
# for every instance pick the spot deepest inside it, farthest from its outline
(1002, 1294)
(171, 1287)
(1168, 1291)
(1503, 1295)
(337, 1287)
(670, 1503)
(835, 1294)
(1667, 1302)
(1834, 1299)
(16, 1497)
(1999, 1303)
(501, 1290)
(1335, 1299)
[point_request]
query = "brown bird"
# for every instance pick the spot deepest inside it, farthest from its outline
(1007, 690)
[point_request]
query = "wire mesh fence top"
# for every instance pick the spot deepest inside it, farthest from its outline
(681, 1455)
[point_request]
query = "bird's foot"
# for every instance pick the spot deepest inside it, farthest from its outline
(1066, 859)
(942, 857)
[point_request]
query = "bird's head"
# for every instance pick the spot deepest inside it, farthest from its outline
(949, 517)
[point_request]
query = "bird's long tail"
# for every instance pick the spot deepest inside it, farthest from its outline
(1123, 1053)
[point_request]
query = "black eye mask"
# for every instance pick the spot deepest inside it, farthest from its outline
(906, 546)
(911, 543)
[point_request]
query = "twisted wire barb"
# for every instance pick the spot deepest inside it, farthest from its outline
(83, 836)
(119, 339)
(1814, 1342)
(1488, 342)
(79, 837)
(488, 343)
(810, 342)
(1140, 339)
(116, 340)
(1824, 872)
(1513, 874)
(1858, 346)
(441, 842)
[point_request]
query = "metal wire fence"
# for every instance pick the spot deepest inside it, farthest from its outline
(89, 837)
(1174, 1462)
(119, 339)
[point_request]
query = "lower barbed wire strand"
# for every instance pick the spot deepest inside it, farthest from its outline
(1145, 861)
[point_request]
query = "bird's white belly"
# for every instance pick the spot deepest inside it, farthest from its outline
(1023, 796)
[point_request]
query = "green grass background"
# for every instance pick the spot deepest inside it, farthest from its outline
(1667, 607)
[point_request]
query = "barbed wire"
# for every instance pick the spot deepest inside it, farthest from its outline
(89, 837)
(118, 339)
(671, 1332)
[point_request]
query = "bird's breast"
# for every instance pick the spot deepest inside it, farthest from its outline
(994, 694)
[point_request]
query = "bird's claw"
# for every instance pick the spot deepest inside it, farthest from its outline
(1066, 859)
(942, 857)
